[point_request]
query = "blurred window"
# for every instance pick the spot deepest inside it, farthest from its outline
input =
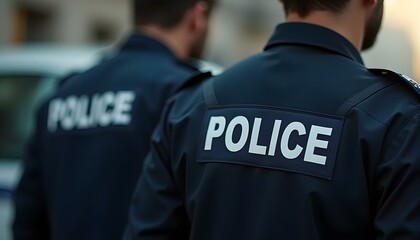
(102, 33)
(33, 24)
(38, 25)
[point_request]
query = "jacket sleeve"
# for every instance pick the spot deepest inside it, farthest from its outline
(31, 221)
(397, 191)
(157, 209)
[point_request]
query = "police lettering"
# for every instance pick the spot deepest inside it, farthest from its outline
(279, 141)
(83, 112)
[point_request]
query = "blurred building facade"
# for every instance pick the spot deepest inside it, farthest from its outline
(241, 28)
(63, 21)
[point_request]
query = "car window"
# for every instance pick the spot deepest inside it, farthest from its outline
(20, 97)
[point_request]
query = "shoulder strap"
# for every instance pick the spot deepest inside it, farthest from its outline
(196, 78)
(66, 78)
(388, 78)
(363, 95)
(209, 94)
(397, 76)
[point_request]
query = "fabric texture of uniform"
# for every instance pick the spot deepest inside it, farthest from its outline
(301, 141)
(91, 138)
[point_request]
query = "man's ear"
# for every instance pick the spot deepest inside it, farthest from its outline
(370, 2)
(370, 5)
(198, 15)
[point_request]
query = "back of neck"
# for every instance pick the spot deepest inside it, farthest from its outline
(172, 38)
(344, 24)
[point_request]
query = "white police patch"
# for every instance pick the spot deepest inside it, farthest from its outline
(88, 112)
(289, 140)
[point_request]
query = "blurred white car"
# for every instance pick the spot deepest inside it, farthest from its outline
(28, 75)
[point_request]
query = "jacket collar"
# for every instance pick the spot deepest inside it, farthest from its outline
(313, 35)
(141, 42)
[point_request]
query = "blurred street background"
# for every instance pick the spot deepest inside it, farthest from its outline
(58, 36)
(242, 27)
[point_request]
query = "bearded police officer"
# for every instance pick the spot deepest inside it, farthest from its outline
(93, 134)
(313, 145)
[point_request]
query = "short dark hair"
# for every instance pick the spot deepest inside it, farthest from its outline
(304, 7)
(164, 13)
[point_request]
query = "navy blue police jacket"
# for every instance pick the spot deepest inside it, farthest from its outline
(301, 141)
(91, 138)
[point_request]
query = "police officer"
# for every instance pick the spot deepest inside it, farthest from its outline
(93, 134)
(301, 141)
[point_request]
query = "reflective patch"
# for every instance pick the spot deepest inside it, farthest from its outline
(288, 140)
(411, 81)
